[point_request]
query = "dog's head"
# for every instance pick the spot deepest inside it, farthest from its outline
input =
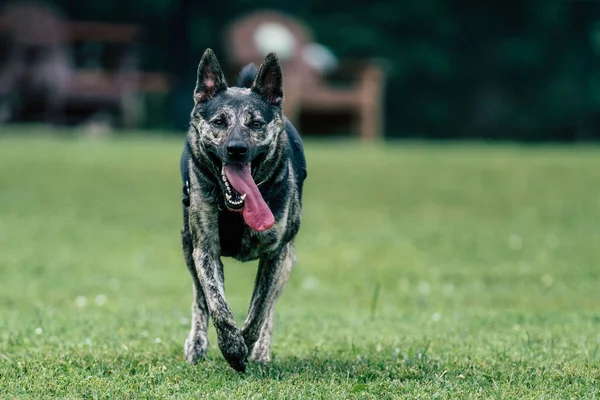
(236, 130)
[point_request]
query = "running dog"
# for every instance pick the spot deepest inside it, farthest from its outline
(243, 168)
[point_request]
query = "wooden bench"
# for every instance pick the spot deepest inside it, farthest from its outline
(69, 71)
(356, 87)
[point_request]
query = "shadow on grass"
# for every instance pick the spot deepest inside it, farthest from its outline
(359, 369)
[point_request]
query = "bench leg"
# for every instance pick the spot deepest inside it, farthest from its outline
(371, 110)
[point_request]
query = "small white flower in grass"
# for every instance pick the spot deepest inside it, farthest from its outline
(423, 288)
(81, 301)
(38, 331)
(435, 317)
(378, 348)
(515, 242)
(547, 280)
(448, 288)
(396, 352)
(100, 300)
(157, 340)
(88, 341)
(358, 357)
(310, 283)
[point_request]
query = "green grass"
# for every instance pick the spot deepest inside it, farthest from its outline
(424, 272)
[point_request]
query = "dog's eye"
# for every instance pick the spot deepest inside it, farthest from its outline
(219, 123)
(256, 125)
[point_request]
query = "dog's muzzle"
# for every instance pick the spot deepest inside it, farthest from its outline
(242, 195)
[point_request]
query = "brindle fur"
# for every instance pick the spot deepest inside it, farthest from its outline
(211, 231)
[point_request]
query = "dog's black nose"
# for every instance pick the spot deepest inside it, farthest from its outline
(237, 148)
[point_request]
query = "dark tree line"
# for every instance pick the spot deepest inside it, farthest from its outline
(498, 69)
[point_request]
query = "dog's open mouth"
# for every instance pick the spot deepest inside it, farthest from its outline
(242, 195)
(233, 199)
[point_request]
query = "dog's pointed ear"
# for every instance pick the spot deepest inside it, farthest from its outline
(269, 80)
(210, 80)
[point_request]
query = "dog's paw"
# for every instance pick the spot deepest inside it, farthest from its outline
(234, 349)
(260, 355)
(195, 348)
(258, 347)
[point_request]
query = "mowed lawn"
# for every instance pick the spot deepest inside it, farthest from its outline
(425, 271)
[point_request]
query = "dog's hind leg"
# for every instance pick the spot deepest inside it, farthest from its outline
(274, 271)
(197, 340)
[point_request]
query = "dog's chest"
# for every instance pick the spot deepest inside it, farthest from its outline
(239, 242)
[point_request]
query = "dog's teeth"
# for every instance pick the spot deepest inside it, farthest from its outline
(228, 196)
(243, 197)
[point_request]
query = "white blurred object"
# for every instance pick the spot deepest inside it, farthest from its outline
(319, 57)
(272, 36)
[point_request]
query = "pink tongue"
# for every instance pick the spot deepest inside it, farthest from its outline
(256, 212)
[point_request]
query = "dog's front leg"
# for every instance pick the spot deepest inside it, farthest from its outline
(210, 275)
(197, 340)
(273, 272)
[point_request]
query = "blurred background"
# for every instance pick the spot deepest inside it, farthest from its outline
(424, 266)
(451, 69)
